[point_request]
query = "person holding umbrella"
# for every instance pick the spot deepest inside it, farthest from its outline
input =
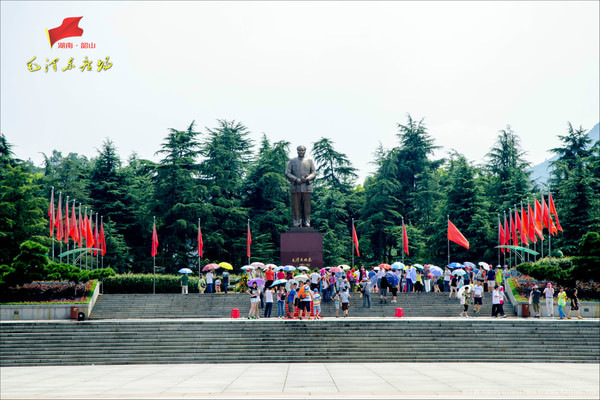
(184, 279)
(254, 300)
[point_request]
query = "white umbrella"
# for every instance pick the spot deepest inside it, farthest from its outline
(462, 289)
(459, 272)
(247, 267)
(485, 266)
(344, 266)
(302, 268)
(301, 278)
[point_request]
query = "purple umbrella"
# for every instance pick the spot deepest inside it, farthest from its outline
(258, 281)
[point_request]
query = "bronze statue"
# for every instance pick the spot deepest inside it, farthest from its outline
(301, 173)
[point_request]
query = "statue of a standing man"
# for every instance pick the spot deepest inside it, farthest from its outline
(301, 173)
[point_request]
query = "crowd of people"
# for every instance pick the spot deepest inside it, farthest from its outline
(297, 291)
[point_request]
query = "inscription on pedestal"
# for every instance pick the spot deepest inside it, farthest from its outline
(302, 246)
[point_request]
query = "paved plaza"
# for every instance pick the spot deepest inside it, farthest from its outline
(300, 381)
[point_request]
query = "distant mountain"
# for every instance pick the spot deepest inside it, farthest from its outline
(541, 172)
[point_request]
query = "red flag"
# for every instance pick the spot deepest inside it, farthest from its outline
(59, 220)
(500, 235)
(248, 240)
(404, 238)
(67, 224)
(154, 241)
(74, 230)
(531, 227)
(80, 228)
(455, 235)
(200, 242)
(89, 239)
(102, 239)
(524, 233)
(518, 225)
(545, 213)
(513, 231)
(51, 213)
(553, 211)
(96, 236)
(355, 240)
(506, 232)
(69, 28)
(538, 219)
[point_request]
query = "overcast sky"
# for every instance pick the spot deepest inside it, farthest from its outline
(300, 71)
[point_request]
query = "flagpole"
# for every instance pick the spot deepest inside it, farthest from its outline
(448, 239)
(542, 224)
(60, 223)
(248, 244)
(499, 239)
(153, 260)
(528, 209)
(96, 230)
(80, 238)
(68, 229)
(199, 260)
(52, 221)
(403, 239)
(102, 225)
(549, 231)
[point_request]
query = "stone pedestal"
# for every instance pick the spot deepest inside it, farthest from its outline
(302, 246)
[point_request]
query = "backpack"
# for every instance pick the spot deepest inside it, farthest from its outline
(301, 293)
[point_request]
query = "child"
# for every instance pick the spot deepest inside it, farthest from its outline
(336, 299)
(218, 285)
(201, 284)
(317, 304)
(464, 301)
(345, 297)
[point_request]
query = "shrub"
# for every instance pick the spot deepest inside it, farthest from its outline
(48, 292)
(142, 283)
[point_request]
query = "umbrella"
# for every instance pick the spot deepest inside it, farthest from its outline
(302, 268)
(385, 266)
(271, 266)
(301, 277)
(376, 268)
(185, 271)
(437, 271)
(289, 268)
(392, 278)
(344, 266)
(462, 289)
(225, 265)
(258, 265)
(397, 265)
(455, 265)
(247, 267)
(210, 267)
(279, 282)
(485, 266)
(470, 265)
(336, 270)
(419, 266)
(459, 272)
(258, 281)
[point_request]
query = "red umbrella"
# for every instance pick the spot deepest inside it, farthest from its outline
(336, 269)
(385, 266)
(210, 267)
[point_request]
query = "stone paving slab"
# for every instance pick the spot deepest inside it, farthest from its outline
(305, 381)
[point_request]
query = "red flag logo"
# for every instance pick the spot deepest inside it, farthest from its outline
(355, 240)
(69, 28)
(457, 237)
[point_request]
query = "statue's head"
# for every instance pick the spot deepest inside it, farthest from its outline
(301, 151)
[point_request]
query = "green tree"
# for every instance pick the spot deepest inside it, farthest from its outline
(510, 179)
(226, 153)
(575, 184)
(176, 198)
(333, 168)
(267, 199)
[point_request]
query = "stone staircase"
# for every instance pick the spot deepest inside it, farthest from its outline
(123, 306)
(152, 341)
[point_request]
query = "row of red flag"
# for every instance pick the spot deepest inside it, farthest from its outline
(78, 229)
(528, 223)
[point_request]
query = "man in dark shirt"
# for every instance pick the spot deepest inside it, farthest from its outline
(534, 300)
